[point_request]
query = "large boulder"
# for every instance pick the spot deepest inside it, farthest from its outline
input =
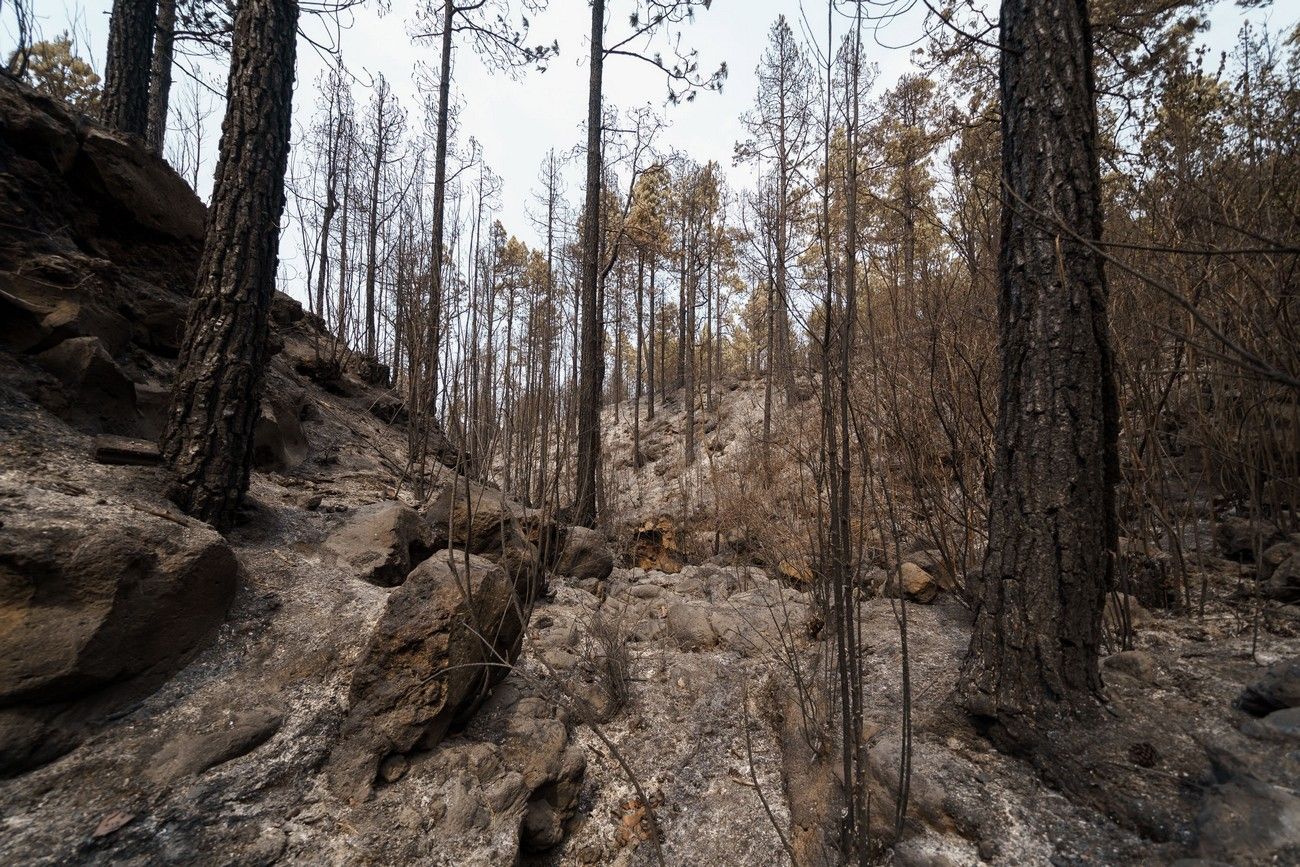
(934, 563)
(1249, 821)
(141, 186)
(585, 555)
(1240, 538)
(689, 626)
(383, 542)
(1284, 581)
(92, 596)
(1277, 689)
(1275, 555)
(1279, 569)
(95, 395)
(654, 546)
(279, 441)
(483, 521)
(445, 638)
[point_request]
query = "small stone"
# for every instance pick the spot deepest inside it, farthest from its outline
(1279, 725)
(393, 768)
(1121, 607)
(918, 584)
(1143, 754)
(114, 821)
(1137, 664)
(689, 626)
(116, 450)
(1279, 688)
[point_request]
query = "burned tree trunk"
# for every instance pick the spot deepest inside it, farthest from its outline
(1052, 530)
(125, 104)
(640, 358)
(650, 348)
(160, 76)
(217, 394)
(439, 208)
(591, 370)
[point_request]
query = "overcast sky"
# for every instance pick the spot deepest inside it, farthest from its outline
(517, 121)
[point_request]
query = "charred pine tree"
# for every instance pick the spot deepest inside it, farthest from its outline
(650, 342)
(160, 76)
(1052, 525)
(438, 233)
(385, 129)
(208, 441)
(640, 357)
(591, 357)
(125, 104)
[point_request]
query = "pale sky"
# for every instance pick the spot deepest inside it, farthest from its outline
(517, 121)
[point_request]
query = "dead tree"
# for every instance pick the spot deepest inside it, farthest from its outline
(684, 81)
(591, 359)
(386, 123)
(483, 22)
(780, 126)
(216, 398)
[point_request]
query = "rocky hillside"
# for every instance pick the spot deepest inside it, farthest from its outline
(319, 687)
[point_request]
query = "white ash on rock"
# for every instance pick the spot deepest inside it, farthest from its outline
(383, 542)
(97, 600)
(445, 638)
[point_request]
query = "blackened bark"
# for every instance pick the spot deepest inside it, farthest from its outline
(125, 104)
(640, 356)
(1052, 530)
(372, 225)
(686, 346)
(342, 323)
(650, 349)
(160, 76)
(439, 205)
(681, 302)
(590, 371)
(216, 398)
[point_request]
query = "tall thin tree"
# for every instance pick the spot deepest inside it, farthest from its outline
(683, 82)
